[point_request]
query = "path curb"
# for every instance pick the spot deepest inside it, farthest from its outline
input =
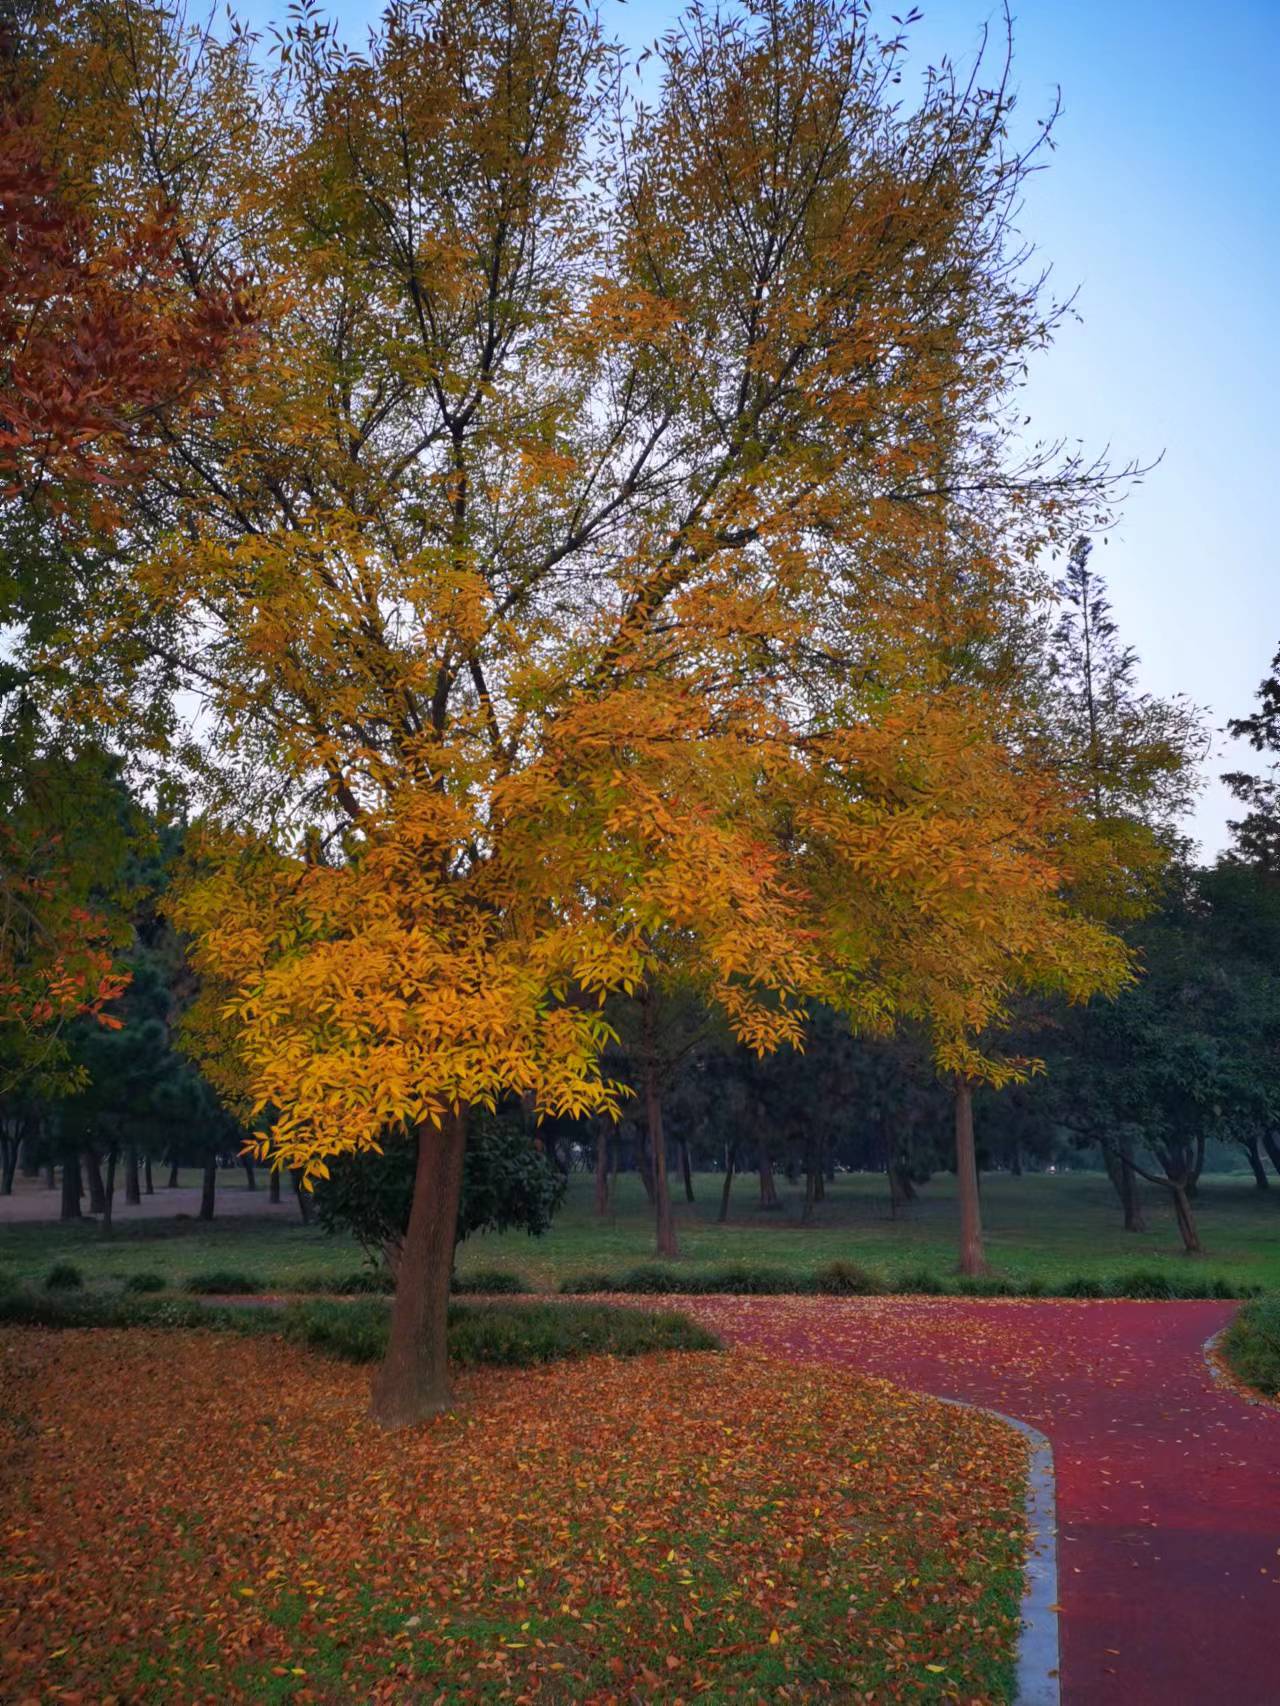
(1036, 1680)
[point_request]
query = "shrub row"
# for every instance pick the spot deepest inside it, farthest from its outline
(365, 1282)
(513, 1335)
(850, 1279)
(1251, 1346)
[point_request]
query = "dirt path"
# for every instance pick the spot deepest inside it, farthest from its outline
(1168, 1485)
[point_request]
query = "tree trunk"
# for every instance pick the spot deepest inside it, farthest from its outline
(768, 1190)
(273, 1185)
(148, 1183)
(1186, 1221)
(644, 1162)
(51, 1177)
(109, 1190)
(132, 1183)
(1272, 1148)
(686, 1170)
(250, 1177)
(1193, 1182)
(208, 1188)
(820, 1172)
(173, 1176)
(731, 1161)
(1015, 1161)
(71, 1188)
(9, 1147)
(811, 1176)
(304, 1197)
(93, 1172)
(972, 1256)
(1260, 1178)
(1118, 1160)
(665, 1242)
(413, 1380)
(602, 1166)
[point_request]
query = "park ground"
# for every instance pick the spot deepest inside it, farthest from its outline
(1040, 1227)
(793, 1519)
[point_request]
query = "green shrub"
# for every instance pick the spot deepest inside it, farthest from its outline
(847, 1279)
(1251, 1346)
(1033, 1288)
(522, 1334)
(365, 1282)
(985, 1285)
(144, 1282)
(1080, 1285)
(649, 1278)
(1142, 1283)
(355, 1332)
(492, 1282)
(582, 1285)
(63, 1276)
(921, 1283)
(225, 1283)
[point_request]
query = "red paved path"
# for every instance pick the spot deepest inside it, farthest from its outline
(1168, 1484)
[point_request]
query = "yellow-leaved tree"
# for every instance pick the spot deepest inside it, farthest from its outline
(568, 564)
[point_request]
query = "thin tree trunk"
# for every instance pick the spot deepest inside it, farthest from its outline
(972, 1256)
(250, 1177)
(71, 1188)
(1186, 1221)
(304, 1197)
(148, 1183)
(1193, 1182)
(810, 1189)
(1272, 1148)
(644, 1162)
(413, 1380)
(9, 1146)
(51, 1177)
(686, 1170)
(1118, 1160)
(273, 1185)
(768, 1190)
(173, 1176)
(602, 1166)
(93, 1172)
(109, 1190)
(1260, 1178)
(1015, 1161)
(208, 1189)
(820, 1172)
(665, 1240)
(132, 1182)
(731, 1161)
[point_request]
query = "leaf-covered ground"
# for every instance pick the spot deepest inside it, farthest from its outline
(192, 1518)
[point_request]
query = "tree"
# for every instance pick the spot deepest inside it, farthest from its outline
(572, 554)
(1257, 834)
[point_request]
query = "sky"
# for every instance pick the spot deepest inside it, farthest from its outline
(1160, 209)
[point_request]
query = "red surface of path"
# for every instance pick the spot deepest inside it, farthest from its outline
(1168, 1484)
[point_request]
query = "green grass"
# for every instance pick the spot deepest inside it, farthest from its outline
(1045, 1228)
(1251, 1346)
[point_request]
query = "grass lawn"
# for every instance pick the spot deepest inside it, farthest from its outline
(1040, 1226)
(208, 1518)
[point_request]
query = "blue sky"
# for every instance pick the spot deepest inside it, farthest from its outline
(1160, 207)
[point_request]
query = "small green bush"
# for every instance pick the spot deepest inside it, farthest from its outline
(144, 1282)
(365, 1282)
(583, 1285)
(649, 1278)
(225, 1283)
(1080, 1285)
(490, 1282)
(1142, 1283)
(920, 1283)
(354, 1332)
(523, 1334)
(985, 1285)
(63, 1276)
(1033, 1288)
(847, 1279)
(1251, 1346)
(740, 1279)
